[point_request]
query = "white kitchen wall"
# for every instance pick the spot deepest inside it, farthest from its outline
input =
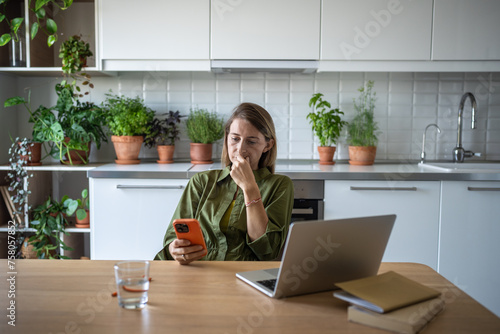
(407, 103)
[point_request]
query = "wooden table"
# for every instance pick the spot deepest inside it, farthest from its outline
(74, 296)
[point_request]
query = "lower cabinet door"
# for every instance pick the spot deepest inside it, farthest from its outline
(414, 237)
(129, 217)
(470, 234)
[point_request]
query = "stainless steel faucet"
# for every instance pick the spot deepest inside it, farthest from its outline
(459, 153)
(422, 155)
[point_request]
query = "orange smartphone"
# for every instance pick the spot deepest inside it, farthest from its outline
(187, 228)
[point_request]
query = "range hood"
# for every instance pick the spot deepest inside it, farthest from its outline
(274, 66)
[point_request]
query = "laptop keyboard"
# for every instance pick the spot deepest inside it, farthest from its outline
(268, 283)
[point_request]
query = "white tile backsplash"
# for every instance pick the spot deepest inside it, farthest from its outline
(406, 104)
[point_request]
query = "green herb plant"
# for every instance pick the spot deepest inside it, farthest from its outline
(326, 122)
(363, 129)
(49, 220)
(43, 22)
(127, 116)
(164, 131)
(204, 127)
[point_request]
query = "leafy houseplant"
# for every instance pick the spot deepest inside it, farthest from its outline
(74, 53)
(203, 129)
(128, 120)
(363, 128)
(49, 220)
(326, 124)
(82, 123)
(163, 134)
(72, 130)
(82, 211)
(38, 8)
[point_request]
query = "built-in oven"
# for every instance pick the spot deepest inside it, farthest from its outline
(308, 201)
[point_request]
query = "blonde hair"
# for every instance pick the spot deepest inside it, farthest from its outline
(262, 121)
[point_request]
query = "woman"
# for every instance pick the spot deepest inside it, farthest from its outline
(244, 209)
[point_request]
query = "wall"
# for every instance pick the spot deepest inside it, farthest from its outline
(8, 116)
(407, 103)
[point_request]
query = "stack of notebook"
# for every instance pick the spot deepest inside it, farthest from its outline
(390, 301)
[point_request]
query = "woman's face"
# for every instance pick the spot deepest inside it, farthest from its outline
(246, 141)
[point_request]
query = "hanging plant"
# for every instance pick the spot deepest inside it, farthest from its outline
(43, 22)
(74, 53)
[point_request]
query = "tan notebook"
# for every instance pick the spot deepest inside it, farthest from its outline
(385, 292)
(410, 319)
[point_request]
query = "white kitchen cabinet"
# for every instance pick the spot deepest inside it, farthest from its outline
(133, 33)
(466, 30)
(265, 29)
(376, 30)
(414, 237)
(469, 242)
(129, 217)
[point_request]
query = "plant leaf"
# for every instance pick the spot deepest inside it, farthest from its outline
(51, 26)
(4, 39)
(14, 101)
(51, 40)
(40, 3)
(40, 13)
(34, 30)
(15, 24)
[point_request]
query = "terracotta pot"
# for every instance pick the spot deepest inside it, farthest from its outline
(83, 223)
(362, 155)
(127, 149)
(27, 250)
(166, 154)
(78, 157)
(326, 155)
(201, 153)
(36, 155)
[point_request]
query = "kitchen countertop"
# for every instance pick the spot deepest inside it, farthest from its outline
(301, 170)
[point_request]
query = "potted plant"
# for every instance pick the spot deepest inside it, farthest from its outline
(82, 211)
(82, 124)
(40, 127)
(49, 220)
(326, 124)
(74, 53)
(128, 120)
(363, 129)
(203, 129)
(163, 134)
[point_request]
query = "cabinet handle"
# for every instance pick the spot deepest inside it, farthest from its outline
(121, 186)
(386, 188)
(482, 189)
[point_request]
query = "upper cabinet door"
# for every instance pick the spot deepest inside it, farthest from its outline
(154, 29)
(466, 30)
(376, 30)
(265, 29)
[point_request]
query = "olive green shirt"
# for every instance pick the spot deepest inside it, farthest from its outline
(207, 197)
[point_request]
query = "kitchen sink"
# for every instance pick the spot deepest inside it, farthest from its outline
(464, 166)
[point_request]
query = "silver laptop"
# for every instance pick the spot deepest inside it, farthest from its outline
(320, 253)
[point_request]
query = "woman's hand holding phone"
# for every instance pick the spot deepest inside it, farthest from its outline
(189, 245)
